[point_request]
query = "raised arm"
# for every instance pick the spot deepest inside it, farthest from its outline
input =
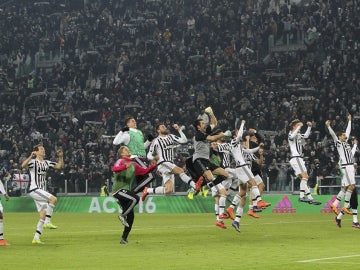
(253, 150)
(353, 150)
(152, 151)
(122, 137)
(241, 131)
(348, 127)
(214, 138)
(331, 131)
(308, 130)
(60, 163)
(213, 121)
(182, 138)
(25, 163)
(2, 189)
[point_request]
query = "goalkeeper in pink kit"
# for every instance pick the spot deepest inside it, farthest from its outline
(125, 170)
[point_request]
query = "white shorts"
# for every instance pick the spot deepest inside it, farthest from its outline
(227, 183)
(165, 171)
(244, 174)
(216, 189)
(298, 165)
(1, 207)
(349, 175)
(41, 198)
(258, 179)
(232, 183)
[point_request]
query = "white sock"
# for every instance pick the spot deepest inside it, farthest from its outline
(303, 187)
(255, 194)
(160, 190)
(250, 203)
(339, 197)
(307, 190)
(355, 216)
(216, 208)
(235, 201)
(49, 211)
(186, 179)
(239, 213)
(1, 229)
(340, 215)
(157, 190)
(39, 229)
(347, 198)
(222, 202)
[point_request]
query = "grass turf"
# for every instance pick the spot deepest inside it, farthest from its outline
(181, 241)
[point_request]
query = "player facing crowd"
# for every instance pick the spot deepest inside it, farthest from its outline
(296, 141)
(347, 169)
(3, 192)
(45, 202)
(161, 151)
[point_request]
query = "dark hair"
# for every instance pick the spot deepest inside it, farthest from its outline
(197, 123)
(127, 119)
(36, 147)
(339, 133)
(158, 125)
(294, 122)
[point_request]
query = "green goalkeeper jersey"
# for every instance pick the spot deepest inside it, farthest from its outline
(124, 179)
(136, 144)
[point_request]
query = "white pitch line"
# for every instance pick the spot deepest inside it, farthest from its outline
(330, 258)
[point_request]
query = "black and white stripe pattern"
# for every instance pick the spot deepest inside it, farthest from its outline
(235, 149)
(296, 144)
(225, 160)
(164, 146)
(37, 170)
(344, 150)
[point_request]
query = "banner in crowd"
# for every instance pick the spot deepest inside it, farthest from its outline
(280, 204)
(20, 181)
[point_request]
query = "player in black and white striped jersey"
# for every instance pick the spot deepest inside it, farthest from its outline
(253, 139)
(44, 201)
(243, 173)
(162, 151)
(346, 160)
(3, 192)
(296, 141)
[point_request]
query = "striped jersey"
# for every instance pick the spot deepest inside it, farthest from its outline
(225, 159)
(249, 158)
(37, 171)
(164, 147)
(297, 141)
(346, 155)
(235, 149)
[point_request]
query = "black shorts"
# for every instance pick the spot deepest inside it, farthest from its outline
(201, 165)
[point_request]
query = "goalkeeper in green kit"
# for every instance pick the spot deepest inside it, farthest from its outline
(125, 170)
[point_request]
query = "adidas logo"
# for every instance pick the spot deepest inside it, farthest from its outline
(327, 206)
(284, 206)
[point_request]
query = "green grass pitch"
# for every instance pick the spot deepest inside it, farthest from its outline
(181, 241)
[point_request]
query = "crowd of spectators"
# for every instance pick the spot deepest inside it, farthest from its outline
(71, 71)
